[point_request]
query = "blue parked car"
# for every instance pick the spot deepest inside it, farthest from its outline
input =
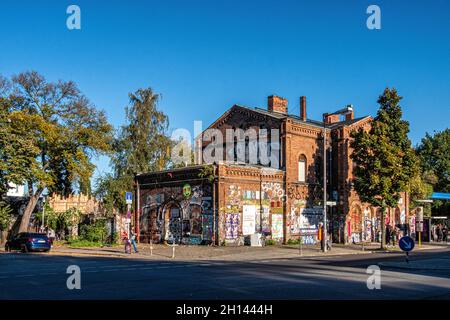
(27, 242)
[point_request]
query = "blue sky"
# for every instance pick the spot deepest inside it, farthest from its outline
(205, 56)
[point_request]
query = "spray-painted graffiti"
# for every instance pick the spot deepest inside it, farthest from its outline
(294, 219)
(308, 239)
(265, 220)
(167, 214)
(273, 190)
(234, 195)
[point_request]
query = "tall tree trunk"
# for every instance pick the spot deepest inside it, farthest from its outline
(25, 221)
(383, 228)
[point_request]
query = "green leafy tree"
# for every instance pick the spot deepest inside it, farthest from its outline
(5, 216)
(434, 152)
(384, 161)
(111, 191)
(142, 145)
(50, 134)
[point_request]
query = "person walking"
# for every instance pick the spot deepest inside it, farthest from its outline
(439, 232)
(133, 241)
(444, 233)
(126, 242)
(393, 235)
(388, 234)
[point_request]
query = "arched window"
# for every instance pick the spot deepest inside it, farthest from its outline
(302, 169)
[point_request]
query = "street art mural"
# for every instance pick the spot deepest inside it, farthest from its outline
(294, 218)
(172, 214)
(277, 226)
(274, 190)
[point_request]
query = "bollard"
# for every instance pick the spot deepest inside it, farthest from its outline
(173, 252)
(151, 248)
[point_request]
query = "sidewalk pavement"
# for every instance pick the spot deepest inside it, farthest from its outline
(241, 253)
(229, 253)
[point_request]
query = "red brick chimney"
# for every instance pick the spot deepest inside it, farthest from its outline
(350, 115)
(277, 104)
(330, 118)
(303, 108)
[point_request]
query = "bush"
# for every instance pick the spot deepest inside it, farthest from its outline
(95, 232)
(270, 242)
(293, 241)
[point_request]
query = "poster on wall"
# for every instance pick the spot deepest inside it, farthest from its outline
(277, 226)
(309, 220)
(231, 225)
(248, 219)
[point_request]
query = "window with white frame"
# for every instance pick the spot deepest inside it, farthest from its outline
(302, 169)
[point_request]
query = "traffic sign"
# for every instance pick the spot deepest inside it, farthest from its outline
(420, 226)
(128, 197)
(406, 243)
(331, 203)
(419, 214)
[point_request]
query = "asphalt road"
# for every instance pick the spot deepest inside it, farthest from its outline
(43, 276)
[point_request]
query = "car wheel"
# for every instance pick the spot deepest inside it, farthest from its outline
(24, 249)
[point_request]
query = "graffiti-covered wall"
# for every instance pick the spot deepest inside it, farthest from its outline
(181, 211)
(249, 204)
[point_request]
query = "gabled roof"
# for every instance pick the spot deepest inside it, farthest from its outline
(346, 123)
(295, 118)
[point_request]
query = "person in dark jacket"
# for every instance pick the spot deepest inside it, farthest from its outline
(394, 235)
(388, 234)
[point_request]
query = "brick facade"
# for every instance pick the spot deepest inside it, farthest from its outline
(283, 201)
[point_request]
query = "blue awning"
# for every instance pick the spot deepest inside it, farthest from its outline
(440, 195)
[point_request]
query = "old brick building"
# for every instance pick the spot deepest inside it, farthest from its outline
(281, 197)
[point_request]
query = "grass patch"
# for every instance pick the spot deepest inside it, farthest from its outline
(84, 243)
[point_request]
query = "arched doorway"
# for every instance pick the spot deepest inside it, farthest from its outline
(397, 221)
(171, 222)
